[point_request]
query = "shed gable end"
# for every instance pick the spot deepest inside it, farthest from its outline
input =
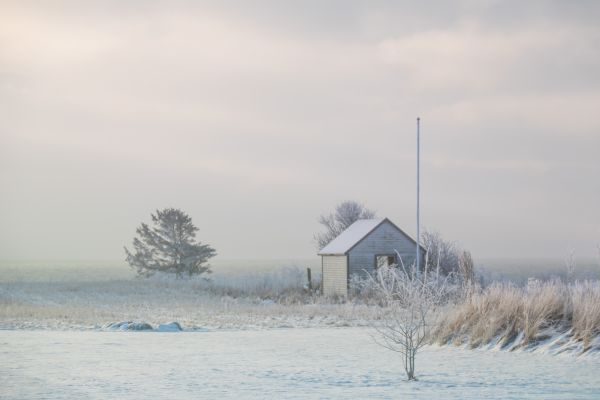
(385, 239)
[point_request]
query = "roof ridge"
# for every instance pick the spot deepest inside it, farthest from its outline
(351, 236)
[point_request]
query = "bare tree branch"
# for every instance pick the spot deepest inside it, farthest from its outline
(405, 320)
(344, 215)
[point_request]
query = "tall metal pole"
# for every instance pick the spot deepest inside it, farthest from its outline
(418, 194)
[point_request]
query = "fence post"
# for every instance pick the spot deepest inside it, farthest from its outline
(309, 279)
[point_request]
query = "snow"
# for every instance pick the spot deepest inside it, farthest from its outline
(352, 235)
(142, 326)
(341, 363)
(127, 326)
(57, 341)
(87, 298)
(555, 342)
(170, 327)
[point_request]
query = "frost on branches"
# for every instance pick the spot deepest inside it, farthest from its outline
(345, 214)
(169, 246)
(406, 317)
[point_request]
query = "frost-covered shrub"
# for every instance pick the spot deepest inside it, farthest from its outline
(363, 289)
(286, 285)
(408, 312)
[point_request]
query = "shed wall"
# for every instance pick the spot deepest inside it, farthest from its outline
(335, 275)
(383, 240)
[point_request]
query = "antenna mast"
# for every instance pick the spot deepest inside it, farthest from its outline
(418, 194)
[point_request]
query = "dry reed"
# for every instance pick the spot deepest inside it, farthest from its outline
(503, 312)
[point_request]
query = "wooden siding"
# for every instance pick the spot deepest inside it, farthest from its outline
(383, 240)
(335, 275)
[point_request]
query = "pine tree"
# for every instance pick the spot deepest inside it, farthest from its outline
(169, 246)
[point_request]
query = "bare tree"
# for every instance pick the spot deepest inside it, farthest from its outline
(169, 246)
(344, 215)
(446, 258)
(406, 319)
(443, 255)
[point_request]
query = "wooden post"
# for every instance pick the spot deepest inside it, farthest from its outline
(309, 279)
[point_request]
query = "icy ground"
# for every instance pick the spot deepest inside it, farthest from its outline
(280, 363)
(86, 297)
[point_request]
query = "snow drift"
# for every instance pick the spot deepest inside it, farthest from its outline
(127, 326)
(142, 326)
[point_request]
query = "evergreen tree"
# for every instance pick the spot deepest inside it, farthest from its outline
(169, 246)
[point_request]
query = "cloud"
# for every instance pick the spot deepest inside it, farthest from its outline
(472, 58)
(567, 114)
(245, 111)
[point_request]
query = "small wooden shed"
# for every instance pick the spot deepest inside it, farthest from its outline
(364, 246)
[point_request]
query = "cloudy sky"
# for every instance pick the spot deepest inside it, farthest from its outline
(256, 117)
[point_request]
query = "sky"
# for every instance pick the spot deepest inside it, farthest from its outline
(255, 117)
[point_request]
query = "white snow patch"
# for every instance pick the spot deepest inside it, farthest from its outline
(327, 363)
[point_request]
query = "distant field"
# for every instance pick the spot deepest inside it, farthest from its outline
(242, 294)
(76, 270)
(519, 270)
(513, 269)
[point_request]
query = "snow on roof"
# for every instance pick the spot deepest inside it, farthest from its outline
(352, 235)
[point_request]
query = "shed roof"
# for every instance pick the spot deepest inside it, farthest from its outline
(354, 234)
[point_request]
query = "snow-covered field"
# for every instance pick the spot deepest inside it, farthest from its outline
(88, 296)
(247, 335)
(280, 363)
